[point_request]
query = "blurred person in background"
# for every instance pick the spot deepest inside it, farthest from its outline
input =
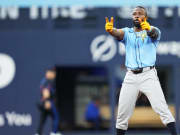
(47, 104)
(92, 113)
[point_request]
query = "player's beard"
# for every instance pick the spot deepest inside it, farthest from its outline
(136, 24)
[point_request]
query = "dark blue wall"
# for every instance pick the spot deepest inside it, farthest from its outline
(33, 50)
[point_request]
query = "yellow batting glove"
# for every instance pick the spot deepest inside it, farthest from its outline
(145, 25)
(109, 25)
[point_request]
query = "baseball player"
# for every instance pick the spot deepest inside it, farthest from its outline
(140, 42)
(47, 104)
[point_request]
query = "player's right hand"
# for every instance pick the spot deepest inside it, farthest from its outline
(109, 25)
(45, 93)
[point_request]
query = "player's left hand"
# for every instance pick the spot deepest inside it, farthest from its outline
(47, 105)
(145, 25)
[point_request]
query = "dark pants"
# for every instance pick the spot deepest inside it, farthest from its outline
(43, 116)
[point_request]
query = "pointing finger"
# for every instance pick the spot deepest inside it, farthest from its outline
(145, 19)
(112, 19)
(107, 20)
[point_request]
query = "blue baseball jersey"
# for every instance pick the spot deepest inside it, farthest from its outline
(140, 48)
(50, 85)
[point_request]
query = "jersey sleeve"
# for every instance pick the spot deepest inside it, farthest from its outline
(159, 33)
(156, 42)
(125, 34)
(43, 83)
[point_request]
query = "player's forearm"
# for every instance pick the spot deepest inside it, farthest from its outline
(109, 27)
(153, 33)
(117, 33)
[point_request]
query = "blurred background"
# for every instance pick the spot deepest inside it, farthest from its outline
(70, 35)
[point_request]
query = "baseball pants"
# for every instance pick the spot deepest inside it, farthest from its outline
(43, 116)
(148, 83)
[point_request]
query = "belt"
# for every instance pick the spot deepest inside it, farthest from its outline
(141, 70)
